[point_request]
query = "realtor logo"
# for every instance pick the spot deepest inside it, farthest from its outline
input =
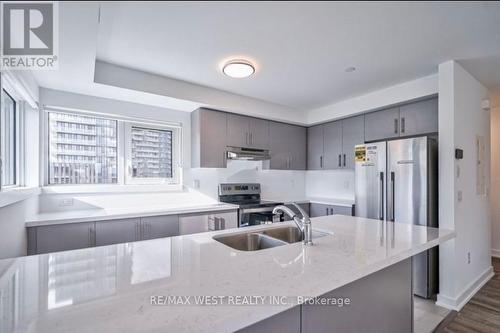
(29, 35)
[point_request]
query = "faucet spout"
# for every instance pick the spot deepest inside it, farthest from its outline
(302, 222)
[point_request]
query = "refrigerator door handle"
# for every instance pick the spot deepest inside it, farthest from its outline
(392, 195)
(381, 213)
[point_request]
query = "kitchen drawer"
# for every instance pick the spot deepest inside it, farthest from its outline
(318, 209)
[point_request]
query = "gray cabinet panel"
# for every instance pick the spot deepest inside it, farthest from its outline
(315, 147)
(287, 321)
(419, 118)
(160, 226)
(208, 136)
(279, 146)
(117, 231)
(287, 144)
(259, 133)
(332, 133)
(381, 125)
(380, 302)
(63, 237)
(353, 133)
(318, 209)
(238, 131)
(298, 140)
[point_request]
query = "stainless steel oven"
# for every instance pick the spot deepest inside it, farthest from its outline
(252, 210)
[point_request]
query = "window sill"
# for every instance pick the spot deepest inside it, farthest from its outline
(12, 195)
(90, 189)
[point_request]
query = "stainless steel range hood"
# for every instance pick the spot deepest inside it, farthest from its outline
(248, 154)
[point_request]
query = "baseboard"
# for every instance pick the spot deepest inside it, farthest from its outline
(495, 253)
(458, 303)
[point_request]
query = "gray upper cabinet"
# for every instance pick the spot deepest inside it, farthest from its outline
(412, 119)
(61, 237)
(238, 131)
(208, 142)
(381, 125)
(353, 133)
(259, 133)
(419, 118)
(315, 147)
(160, 226)
(117, 231)
(332, 134)
(247, 132)
(288, 146)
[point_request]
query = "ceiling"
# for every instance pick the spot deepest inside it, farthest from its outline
(300, 49)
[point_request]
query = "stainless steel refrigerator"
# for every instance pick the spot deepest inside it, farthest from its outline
(397, 181)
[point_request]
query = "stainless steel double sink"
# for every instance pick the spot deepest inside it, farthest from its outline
(264, 239)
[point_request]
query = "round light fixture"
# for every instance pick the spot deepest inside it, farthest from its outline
(238, 69)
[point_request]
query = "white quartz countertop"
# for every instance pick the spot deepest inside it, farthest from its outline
(109, 289)
(102, 214)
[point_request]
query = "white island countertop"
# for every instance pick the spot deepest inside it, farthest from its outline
(109, 289)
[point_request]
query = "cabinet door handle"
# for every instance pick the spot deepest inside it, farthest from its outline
(246, 137)
(344, 160)
(402, 125)
(396, 126)
(90, 237)
(340, 160)
(321, 161)
(251, 138)
(327, 211)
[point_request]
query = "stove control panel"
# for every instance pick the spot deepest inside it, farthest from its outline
(239, 188)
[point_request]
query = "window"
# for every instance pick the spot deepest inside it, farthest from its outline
(151, 153)
(8, 143)
(82, 149)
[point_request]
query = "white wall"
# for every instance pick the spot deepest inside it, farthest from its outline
(338, 184)
(495, 174)
(276, 184)
(399, 93)
(460, 120)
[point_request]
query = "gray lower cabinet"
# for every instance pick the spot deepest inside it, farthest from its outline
(117, 231)
(353, 133)
(160, 226)
(315, 147)
(208, 139)
(381, 125)
(287, 144)
(419, 118)
(60, 237)
(381, 302)
(317, 209)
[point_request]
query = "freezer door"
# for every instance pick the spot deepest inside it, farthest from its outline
(370, 179)
(407, 181)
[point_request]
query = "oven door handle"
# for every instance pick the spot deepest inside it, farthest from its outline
(257, 210)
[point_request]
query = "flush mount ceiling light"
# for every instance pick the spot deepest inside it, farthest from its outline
(238, 68)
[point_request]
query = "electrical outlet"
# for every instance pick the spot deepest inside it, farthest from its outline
(196, 183)
(458, 171)
(468, 257)
(459, 196)
(66, 202)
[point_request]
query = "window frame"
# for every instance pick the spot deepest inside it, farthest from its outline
(129, 179)
(18, 139)
(124, 124)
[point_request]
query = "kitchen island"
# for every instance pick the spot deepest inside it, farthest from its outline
(158, 285)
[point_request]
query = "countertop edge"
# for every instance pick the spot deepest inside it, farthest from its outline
(101, 215)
